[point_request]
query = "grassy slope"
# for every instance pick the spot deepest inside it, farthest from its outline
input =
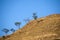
(46, 28)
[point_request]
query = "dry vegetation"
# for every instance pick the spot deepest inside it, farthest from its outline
(47, 28)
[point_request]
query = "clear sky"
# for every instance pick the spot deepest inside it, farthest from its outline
(18, 10)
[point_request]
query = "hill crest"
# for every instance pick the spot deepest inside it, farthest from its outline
(46, 28)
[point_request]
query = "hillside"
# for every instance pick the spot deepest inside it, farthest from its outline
(46, 28)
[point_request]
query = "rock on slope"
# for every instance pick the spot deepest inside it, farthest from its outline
(47, 28)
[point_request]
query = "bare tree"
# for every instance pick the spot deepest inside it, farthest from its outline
(18, 24)
(5, 30)
(34, 16)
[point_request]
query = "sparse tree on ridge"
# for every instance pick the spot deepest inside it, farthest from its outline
(27, 20)
(35, 16)
(13, 30)
(5, 31)
(18, 24)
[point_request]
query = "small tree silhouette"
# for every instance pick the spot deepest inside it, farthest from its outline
(34, 16)
(13, 30)
(5, 30)
(18, 24)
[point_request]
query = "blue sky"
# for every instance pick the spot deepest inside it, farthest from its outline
(18, 10)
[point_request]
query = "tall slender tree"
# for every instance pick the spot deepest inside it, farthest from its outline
(5, 31)
(18, 24)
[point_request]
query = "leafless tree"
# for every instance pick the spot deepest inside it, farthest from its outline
(27, 20)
